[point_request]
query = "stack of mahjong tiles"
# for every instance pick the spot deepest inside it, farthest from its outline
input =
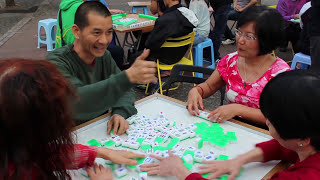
(154, 133)
(214, 134)
(149, 134)
(123, 20)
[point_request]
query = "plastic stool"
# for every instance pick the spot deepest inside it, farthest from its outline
(305, 60)
(198, 55)
(50, 39)
(145, 9)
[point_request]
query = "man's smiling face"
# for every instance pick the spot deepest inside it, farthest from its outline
(95, 38)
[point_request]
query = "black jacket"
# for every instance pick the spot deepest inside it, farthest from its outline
(215, 4)
(171, 24)
(303, 43)
(315, 17)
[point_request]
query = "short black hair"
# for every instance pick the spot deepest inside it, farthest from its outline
(81, 16)
(269, 26)
(291, 102)
(163, 7)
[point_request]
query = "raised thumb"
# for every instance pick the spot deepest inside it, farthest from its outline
(144, 55)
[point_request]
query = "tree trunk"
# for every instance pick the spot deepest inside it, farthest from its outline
(10, 3)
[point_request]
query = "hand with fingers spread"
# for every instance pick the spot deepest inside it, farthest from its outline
(170, 166)
(119, 156)
(224, 113)
(99, 173)
(219, 168)
(142, 71)
(194, 101)
(118, 124)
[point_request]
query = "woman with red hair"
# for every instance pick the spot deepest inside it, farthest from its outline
(36, 126)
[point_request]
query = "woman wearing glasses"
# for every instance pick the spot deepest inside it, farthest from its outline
(294, 91)
(246, 71)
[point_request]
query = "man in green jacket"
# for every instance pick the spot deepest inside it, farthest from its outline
(91, 70)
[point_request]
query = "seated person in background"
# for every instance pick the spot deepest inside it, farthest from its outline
(175, 22)
(290, 9)
(247, 71)
(158, 7)
(67, 11)
(315, 35)
(91, 70)
(36, 125)
(201, 10)
(296, 135)
(303, 43)
(238, 7)
(154, 7)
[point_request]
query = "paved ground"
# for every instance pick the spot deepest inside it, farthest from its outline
(18, 37)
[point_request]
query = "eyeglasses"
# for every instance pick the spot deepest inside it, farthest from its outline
(247, 36)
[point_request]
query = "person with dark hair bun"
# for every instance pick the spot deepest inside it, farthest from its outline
(291, 104)
(36, 126)
(247, 71)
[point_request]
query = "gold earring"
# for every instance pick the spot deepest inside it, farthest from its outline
(300, 144)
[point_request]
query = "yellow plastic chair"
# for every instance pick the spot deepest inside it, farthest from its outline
(175, 42)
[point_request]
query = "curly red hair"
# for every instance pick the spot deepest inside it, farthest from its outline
(35, 119)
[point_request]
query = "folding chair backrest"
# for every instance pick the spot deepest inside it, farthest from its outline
(181, 41)
(176, 75)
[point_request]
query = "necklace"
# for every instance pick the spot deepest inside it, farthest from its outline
(245, 72)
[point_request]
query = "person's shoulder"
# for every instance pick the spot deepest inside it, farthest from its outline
(231, 57)
(281, 62)
(62, 57)
(189, 16)
(185, 11)
(228, 60)
(297, 172)
(59, 53)
(278, 67)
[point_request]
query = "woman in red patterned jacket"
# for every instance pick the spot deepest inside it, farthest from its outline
(290, 102)
(36, 126)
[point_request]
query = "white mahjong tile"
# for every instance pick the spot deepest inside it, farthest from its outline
(192, 134)
(143, 176)
(198, 158)
(132, 139)
(209, 158)
(148, 160)
(191, 148)
(120, 172)
(104, 140)
(188, 158)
